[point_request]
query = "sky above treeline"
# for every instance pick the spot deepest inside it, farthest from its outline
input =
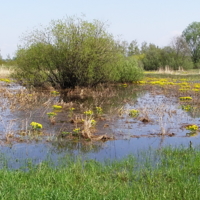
(152, 21)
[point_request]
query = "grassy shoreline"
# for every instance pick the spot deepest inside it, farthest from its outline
(174, 175)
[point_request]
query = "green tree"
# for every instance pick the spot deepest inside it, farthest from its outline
(175, 56)
(152, 56)
(128, 70)
(123, 46)
(133, 48)
(68, 53)
(181, 54)
(192, 37)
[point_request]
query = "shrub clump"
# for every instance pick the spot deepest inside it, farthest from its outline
(73, 52)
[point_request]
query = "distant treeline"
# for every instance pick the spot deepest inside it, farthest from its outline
(151, 57)
(182, 52)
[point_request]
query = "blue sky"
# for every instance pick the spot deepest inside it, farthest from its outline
(153, 21)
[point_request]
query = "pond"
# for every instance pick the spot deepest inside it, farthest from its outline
(160, 119)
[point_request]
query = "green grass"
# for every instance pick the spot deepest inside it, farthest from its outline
(168, 174)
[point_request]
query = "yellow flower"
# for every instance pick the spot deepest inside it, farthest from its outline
(88, 112)
(76, 130)
(141, 82)
(51, 114)
(57, 107)
(197, 86)
(133, 113)
(192, 127)
(185, 98)
(188, 107)
(36, 125)
(55, 92)
(195, 90)
(5, 80)
(93, 122)
(99, 110)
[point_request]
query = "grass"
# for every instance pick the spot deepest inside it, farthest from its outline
(173, 174)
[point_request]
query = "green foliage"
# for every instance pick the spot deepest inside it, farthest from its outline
(127, 70)
(30, 68)
(68, 53)
(192, 37)
(133, 48)
(175, 56)
(152, 58)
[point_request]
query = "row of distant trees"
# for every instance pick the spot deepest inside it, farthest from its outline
(151, 57)
(74, 52)
(182, 52)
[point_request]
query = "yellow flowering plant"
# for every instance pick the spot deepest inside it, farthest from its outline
(51, 114)
(56, 107)
(99, 110)
(186, 107)
(36, 126)
(76, 132)
(197, 86)
(5, 80)
(185, 98)
(55, 92)
(88, 112)
(192, 128)
(133, 113)
(195, 90)
(93, 122)
(141, 82)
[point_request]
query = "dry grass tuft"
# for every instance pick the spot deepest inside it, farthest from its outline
(5, 72)
(168, 70)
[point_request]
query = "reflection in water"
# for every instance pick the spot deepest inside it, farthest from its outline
(75, 145)
(17, 155)
(192, 134)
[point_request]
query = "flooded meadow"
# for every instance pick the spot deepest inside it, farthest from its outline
(109, 122)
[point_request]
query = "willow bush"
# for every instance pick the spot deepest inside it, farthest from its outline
(71, 52)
